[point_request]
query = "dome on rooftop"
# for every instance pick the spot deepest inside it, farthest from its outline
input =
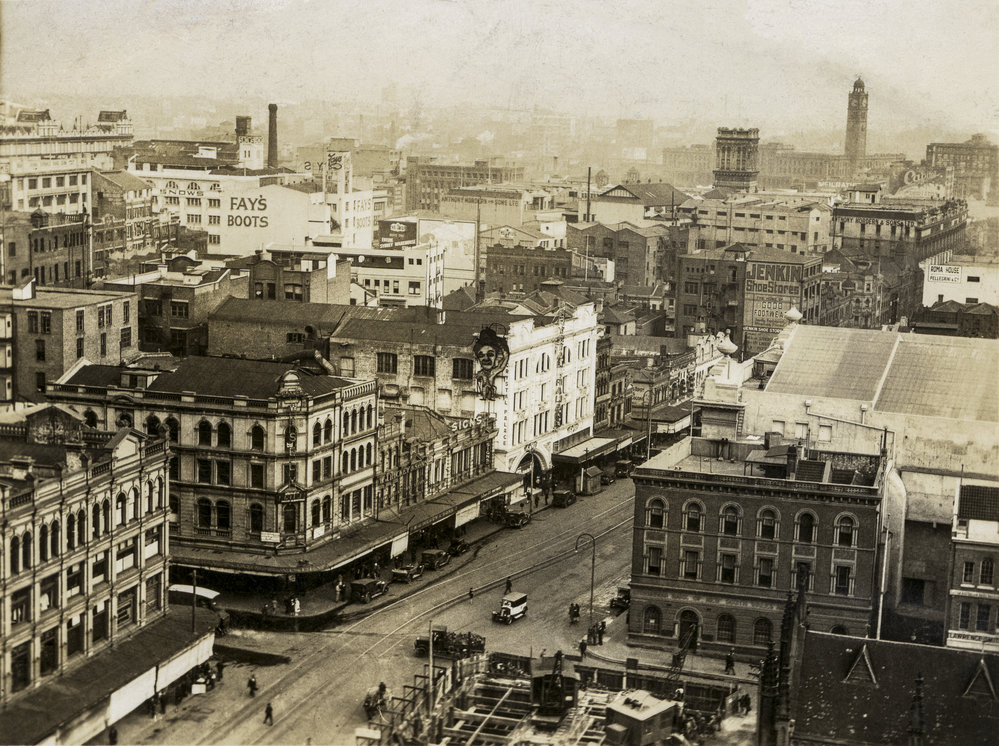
(793, 315)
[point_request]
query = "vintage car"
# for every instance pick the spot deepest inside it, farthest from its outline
(622, 600)
(433, 559)
(563, 498)
(407, 573)
(607, 478)
(362, 591)
(451, 644)
(458, 547)
(517, 519)
(512, 606)
(623, 468)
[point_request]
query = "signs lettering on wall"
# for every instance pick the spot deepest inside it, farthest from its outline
(943, 273)
(243, 212)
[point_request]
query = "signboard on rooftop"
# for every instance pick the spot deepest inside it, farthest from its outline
(943, 273)
(396, 234)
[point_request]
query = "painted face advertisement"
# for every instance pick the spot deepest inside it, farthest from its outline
(491, 354)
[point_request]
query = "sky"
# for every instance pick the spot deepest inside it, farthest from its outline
(777, 62)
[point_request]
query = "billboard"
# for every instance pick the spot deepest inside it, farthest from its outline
(396, 234)
(943, 273)
(772, 287)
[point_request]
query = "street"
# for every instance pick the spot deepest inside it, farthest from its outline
(317, 696)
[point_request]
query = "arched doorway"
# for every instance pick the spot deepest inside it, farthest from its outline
(689, 625)
(524, 468)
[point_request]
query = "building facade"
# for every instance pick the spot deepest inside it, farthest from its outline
(427, 183)
(52, 249)
(856, 124)
(737, 158)
(524, 269)
(973, 614)
(975, 164)
(122, 219)
(798, 226)
(964, 279)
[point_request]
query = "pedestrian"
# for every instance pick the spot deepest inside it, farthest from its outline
(219, 667)
(471, 592)
(251, 684)
(730, 662)
(163, 702)
(582, 648)
(377, 569)
(153, 706)
(509, 584)
(268, 715)
(747, 702)
(113, 735)
(600, 633)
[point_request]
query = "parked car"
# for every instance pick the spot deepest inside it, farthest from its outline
(458, 547)
(362, 591)
(623, 468)
(435, 558)
(607, 478)
(451, 644)
(512, 606)
(517, 520)
(408, 573)
(563, 498)
(622, 600)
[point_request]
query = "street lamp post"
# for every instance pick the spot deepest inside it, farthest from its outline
(593, 566)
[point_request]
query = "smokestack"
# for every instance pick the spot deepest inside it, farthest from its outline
(272, 153)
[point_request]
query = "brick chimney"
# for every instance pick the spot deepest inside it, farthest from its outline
(272, 148)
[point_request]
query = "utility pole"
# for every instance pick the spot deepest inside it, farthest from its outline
(586, 216)
(194, 598)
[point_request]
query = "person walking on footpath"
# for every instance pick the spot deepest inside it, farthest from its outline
(600, 633)
(268, 715)
(730, 662)
(582, 648)
(509, 585)
(219, 668)
(251, 684)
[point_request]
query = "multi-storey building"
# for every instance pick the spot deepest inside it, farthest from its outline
(973, 613)
(427, 183)
(295, 274)
(51, 248)
(272, 461)
(633, 203)
(524, 269)
(175, 299)
(795, 225)
(965, 279)
(456, 237)
(54, 328)
(719, 543)
(975, 164)
(639, 253)
(737, 158)
(497, 204)
(83, 578)
(909, 230)
(122, 219)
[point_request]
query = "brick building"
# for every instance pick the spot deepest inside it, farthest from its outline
(52, 249)
(296, 274)
(975, 164)
(798, 226)
(973, 600)
(524, 269)
(637, 252)
(427, 183)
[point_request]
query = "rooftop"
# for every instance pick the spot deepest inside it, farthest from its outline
(47, 297)
(126, 181)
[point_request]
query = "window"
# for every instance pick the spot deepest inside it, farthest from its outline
(224, 435)
(655, 560)
(652, 622)
(825, 432)
(79, 347)
(204, 470)
(969, 572)
(462, 368)
(693, 517)
(223, 513)
(691, 564)
(987, 572)
(257, 475)
(32, 322)
(844, 531)
(179, 309)
(424, 365)
(20, 666)
(79, 321)
(655, 514)
(292, 291)
(40, 381)
(204, 433)
(290, 516)
(40, 350)
(256, 517)
(964, 618)
(388, 362)
(726, 628)
(730, 521)
(982, 618)
(765, 572)
(762, 631)
(843, 581)
(257, 438)
(223, 472)
(726, 572)
(104, 344)
(972, 278)
(777, 426)
(127, 607)
(767, 524)
(414, 288)
(803, 575)
(806, 528)
(126, 337)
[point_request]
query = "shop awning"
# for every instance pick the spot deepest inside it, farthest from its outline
(588, 449)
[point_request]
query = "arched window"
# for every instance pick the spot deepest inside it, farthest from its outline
(173, 429)
(692, 516)
(328, 430)
(367, 455)
(223, 515)
(257, 438)
(762, 631)
(652, 622)
(153, 425)
(844, 531)
(726, 628)
(766, 524)
(150, 506)
(317, 435)
(26, 551)
(159, 493)
(327, 509)
(193, 185)
(806, 528)
(730, 520)
(987, 572)
(346, 424)
(81, 527)
(15, 555)
(655, 514)
(43, 543)
(353, 422)
(256, 517)
(353, 459)
(371, 417)
(97, 521)
(71, 531)
(204, 512)
(204, 433)
(224, 435)
(121, 509)
(54, 538)
(125, 419)
(344, 461)
(106, 516)
(133, 504)
(290, 518)
(317, 512)
(90, 418)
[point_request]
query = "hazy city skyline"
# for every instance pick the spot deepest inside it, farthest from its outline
(779, 65)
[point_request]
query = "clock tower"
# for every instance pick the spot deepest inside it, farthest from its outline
(856, 125)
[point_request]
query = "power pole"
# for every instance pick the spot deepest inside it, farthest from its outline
(194, 598)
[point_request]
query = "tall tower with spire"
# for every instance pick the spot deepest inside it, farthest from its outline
(856, 124)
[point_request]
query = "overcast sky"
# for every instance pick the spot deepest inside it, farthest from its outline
(924, 61)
